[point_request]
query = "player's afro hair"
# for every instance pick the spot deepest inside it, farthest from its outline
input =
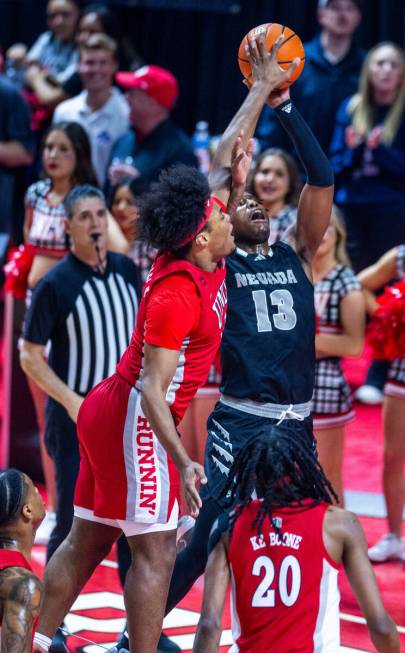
(173, 208)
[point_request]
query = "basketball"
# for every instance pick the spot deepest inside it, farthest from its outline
(290, 49)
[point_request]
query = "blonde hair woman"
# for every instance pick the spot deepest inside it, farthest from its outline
(368, 156)
(340, 311)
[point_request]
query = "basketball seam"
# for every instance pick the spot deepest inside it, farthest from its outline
(288, 39)
(290, 60)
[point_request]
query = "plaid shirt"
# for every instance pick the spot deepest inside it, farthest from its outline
(143, 256)
(281, 222)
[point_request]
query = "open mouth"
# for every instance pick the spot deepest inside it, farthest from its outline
(258, 216)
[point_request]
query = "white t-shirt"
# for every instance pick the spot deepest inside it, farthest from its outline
(103, 126)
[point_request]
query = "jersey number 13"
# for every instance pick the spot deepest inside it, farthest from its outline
(284, 320)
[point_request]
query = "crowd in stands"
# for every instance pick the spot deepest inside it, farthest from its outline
(80, 109)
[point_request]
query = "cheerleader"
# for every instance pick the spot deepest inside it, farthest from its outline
(340, 313)
(391, 545)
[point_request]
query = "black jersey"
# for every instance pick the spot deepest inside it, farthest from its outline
(267, 350)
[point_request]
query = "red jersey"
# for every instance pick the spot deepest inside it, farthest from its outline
(183, 307)
(285, 597)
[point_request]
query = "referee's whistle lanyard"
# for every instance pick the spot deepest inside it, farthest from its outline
(289, 413)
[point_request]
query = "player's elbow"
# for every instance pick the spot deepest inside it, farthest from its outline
(383, 629)
(356, 347)
(209, 627)
(27, 361)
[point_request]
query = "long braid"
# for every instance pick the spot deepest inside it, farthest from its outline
(283, 469)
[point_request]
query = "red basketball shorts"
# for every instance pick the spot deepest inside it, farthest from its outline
(125, 473)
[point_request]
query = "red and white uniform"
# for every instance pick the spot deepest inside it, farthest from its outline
(285, 595)
(395, 386)
(10, 558)
(125, 473)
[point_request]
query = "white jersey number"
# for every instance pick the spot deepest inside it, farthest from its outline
(289, 582)
(285, 319)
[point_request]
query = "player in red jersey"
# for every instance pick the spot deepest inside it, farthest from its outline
(283, 552)
(131, 455)
(21, 512)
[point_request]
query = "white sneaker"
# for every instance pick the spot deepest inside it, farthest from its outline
(389, 547)
(369, 394)
(185, 527)
(45, 529)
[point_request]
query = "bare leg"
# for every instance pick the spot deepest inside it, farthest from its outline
(330, 445)
(147, 586)
(394, 458)
(69, 569)
(39, 398)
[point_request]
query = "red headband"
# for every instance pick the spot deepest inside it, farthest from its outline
(208, 210)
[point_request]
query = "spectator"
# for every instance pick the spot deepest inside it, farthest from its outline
(153, 142)
(100, 108)
(86, 307)
(15, 148)
(21, 512)
(122, 204)
(332, 66)
(390, 546)
(368, 155)
(95, 19)
(55, 50)
(276, 184)
(340, 311)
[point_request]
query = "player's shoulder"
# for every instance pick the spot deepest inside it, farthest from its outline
(18, 583)
(341, 523)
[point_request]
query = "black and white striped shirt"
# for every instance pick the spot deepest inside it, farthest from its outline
(87, 317)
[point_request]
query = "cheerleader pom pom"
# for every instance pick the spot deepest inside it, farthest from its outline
(386, 333)
(17, 270)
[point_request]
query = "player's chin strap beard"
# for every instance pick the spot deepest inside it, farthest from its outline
(102, 263)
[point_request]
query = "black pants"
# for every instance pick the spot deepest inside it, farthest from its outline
(63, 448)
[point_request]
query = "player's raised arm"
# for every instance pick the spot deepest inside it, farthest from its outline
(267, 75)
(315, 204)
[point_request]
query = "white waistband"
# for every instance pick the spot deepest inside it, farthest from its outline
(262, 409)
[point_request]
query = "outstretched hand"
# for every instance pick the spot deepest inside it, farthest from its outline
(191, 474)
(265, 67)
(241, 160)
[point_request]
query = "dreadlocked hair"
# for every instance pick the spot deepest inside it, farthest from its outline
(173, 208)
(283, 470)
(13, 490)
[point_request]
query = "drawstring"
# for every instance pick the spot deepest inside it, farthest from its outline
(289, 412)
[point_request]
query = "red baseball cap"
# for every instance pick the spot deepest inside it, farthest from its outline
(159, 83)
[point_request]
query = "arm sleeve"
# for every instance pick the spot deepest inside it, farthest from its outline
(173, 311)
(42, 315)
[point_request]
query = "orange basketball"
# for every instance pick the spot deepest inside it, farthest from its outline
(290, 49)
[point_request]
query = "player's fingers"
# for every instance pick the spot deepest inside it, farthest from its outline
(250, 147)
(252, 51)
(289, 71)
(276, 46)
(200, 470)
(236, 146)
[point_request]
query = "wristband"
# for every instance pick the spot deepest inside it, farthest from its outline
(43, 641)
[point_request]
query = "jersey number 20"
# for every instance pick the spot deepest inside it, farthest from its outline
(289, 582)
(285, 319)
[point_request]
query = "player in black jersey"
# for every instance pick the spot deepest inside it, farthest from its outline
(267, 351)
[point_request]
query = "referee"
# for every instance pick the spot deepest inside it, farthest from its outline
(85, 308)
